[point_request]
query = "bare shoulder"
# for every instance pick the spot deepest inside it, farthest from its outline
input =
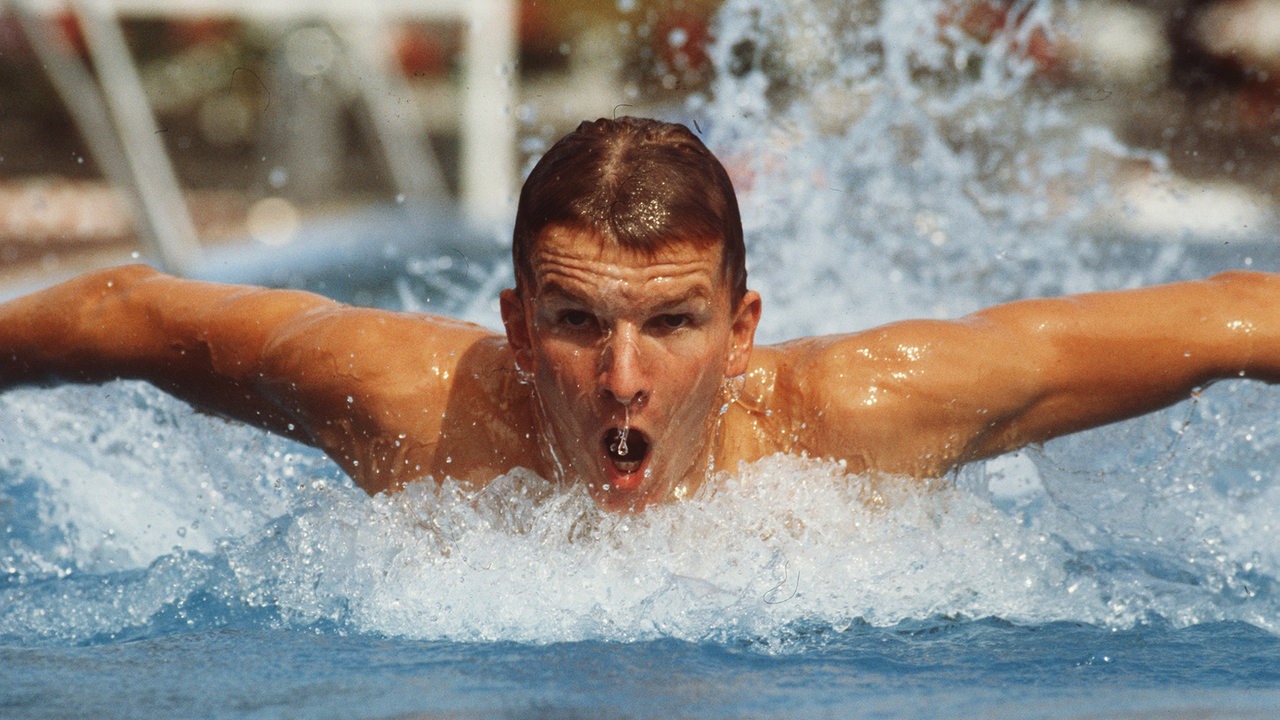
(371, 387)
(920, 397)
(885, 399)
(380, 358)
(396, 396)
(358, 339)
(850, 371)
(249, 331)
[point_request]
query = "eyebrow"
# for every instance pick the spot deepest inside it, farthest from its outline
(694, 294)
(553, 290)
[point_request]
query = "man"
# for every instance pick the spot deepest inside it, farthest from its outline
(628, 362)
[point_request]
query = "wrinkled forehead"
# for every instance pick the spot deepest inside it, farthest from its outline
(567, 257)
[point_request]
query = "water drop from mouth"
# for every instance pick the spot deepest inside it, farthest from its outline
(620, 448)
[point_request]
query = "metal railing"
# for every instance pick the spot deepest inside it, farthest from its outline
(110, 106)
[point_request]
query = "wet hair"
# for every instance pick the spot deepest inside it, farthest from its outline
(641, 184)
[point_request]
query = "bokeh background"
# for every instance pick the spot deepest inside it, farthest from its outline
(151, 130)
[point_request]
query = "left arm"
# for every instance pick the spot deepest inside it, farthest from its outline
(921, 397)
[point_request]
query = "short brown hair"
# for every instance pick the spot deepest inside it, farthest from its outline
(639, 183)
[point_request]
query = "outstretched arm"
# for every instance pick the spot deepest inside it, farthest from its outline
(202, 342)
(921, 397)
(367, 386)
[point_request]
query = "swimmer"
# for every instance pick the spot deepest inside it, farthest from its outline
(628, 362)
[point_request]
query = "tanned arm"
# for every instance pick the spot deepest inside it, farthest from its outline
(922, 397)
(367, 386)
(199, 341)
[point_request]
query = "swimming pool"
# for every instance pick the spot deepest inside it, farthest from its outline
(159, 563)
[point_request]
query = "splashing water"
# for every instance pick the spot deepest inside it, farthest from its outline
(620, 448)
(887, 168)
(865, 137)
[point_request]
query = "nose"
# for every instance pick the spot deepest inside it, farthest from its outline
(623, 376)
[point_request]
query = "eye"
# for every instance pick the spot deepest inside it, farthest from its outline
(575, 319)
(672, 321)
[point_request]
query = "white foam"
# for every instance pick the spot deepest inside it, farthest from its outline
(124, 474)
(787, 540)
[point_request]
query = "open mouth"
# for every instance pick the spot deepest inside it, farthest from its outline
(626, 449)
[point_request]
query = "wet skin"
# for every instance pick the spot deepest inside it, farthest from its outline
(629, 357)
(604, 339)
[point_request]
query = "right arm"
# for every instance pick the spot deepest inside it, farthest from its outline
(368, 387)
(294, 363)
(201, 342)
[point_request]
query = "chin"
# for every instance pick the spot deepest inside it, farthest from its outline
(633, 492)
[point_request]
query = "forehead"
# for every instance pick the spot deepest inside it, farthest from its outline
(578, 261)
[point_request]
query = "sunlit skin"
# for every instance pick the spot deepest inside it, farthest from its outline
(617, 341)
(604, 338)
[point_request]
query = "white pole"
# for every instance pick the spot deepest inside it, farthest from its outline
(488, 114)
(163, 206)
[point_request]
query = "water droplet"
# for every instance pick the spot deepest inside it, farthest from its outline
(620, 448)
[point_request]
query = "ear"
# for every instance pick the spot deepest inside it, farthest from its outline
(742, 335)
(516, 322)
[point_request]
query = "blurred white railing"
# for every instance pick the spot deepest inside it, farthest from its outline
(112, 111)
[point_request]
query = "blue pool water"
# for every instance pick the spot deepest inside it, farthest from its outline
(160, 563)
(925, 669)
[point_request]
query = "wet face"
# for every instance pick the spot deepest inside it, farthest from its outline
(628, 354)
